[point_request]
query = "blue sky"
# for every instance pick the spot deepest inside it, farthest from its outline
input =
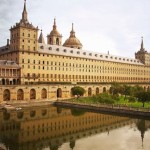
(101, 25)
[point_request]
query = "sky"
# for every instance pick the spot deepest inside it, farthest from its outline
(101, 25)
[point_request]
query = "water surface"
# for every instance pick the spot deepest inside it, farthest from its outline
(55, 128)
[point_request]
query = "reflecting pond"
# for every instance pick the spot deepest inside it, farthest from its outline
(55, 128)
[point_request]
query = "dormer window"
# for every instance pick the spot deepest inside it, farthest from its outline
(50, 48)
(42, 47)
(84, 53)
(95, 55)
(78, 52)
(65, 50)
(90, 54)
(71, 51)
(57, 49)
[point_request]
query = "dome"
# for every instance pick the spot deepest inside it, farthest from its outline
(54, 32)
(72, 41)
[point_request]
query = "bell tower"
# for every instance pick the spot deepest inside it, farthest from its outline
(54, 38)
(23, 35)
(143, 55)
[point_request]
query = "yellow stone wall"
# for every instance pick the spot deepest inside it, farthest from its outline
(23, 39)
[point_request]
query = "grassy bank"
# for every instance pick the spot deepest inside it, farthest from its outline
(120, 101)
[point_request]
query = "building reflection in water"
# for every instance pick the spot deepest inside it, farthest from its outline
(49, 127)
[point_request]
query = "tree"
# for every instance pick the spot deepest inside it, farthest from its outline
(115, 88)
(143, 97)
(77, 90)
(127, 90)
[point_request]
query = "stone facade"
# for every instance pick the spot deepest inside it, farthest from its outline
(44, 66)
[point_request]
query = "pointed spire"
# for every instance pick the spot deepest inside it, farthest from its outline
(24, 13)
(54, 26)
(142, 45)
(72, 27)
(72, 33)
(41, 38)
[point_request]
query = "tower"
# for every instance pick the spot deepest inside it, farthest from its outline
(143, 55)
(72, 41)
(23, 35)
(54, 38)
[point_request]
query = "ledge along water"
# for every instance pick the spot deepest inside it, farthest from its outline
(120, 110)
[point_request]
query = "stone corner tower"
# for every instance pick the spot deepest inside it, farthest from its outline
(23, 35)
(143, 55)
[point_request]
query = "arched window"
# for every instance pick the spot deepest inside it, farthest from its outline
(57, 41)
(89, 92)
(3, 82)
(97, 91)
(44, 94)
(20, 94)
(32, 94)
(104, 89)
(6, 95)
(50, 40)
(59, 93)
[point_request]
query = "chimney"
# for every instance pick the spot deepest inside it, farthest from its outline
(7, 42)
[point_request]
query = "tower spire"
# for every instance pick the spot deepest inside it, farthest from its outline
(41, 38)
(72, 27)
(142, 45)
(72, 33)
(54, 26)
(24, 13)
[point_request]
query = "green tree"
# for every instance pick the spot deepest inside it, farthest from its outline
(104, 98)
(115, 88)
(77, 90)
(127, 91)
(143, 97)
(137, 89)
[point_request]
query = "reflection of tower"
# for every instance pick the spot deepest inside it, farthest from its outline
(72, 144)
(142, 128)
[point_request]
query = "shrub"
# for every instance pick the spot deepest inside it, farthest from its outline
(132, 99)
(77, 90)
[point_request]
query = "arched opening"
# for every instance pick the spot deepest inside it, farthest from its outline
(144, 88)
(104, 89)
(18, 81)
(57, 41)
(50, 40)
(7, 81)
(3, 81)
(44, 94)
(14, 81)
(59, 93)
(20, 94)
(6, 95)
(97, 91)
(89, 92)
(32, 94)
